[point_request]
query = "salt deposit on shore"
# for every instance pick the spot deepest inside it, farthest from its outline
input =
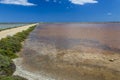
(21, 71)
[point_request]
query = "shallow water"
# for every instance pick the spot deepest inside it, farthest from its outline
(57, 49)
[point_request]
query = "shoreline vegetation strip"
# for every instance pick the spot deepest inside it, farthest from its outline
(9, 46)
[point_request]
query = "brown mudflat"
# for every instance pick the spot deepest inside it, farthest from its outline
(74, 51)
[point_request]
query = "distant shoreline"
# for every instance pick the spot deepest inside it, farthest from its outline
(55, 22)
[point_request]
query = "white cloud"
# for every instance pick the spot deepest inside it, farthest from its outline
(17, 2)
(82, 2)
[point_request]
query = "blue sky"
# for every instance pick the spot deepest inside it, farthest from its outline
(59, 10)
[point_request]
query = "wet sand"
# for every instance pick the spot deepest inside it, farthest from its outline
(74, 51)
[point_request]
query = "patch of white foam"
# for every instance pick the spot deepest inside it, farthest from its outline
(21, 71)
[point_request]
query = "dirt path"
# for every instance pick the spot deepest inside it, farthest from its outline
(11, 32)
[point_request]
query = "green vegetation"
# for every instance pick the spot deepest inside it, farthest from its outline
(12, 78)
(6, 66)
(9, 46)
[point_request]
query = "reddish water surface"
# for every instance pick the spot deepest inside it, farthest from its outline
(46, 48)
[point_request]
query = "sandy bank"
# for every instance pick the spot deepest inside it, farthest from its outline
(12, 31)
(23, 72)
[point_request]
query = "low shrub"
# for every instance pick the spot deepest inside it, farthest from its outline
(12, 44)
(8, 53)
(6, 65)
(9, 46)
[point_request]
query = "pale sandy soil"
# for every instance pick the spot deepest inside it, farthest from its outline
(12, 31)
(23, 72)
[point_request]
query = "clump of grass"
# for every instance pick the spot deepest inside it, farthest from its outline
(12, 78)
(6, 66)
